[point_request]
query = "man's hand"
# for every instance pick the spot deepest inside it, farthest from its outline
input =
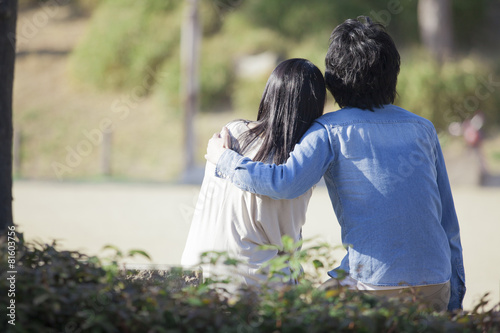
(217, 145)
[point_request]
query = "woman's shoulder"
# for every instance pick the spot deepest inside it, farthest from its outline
(237, 127)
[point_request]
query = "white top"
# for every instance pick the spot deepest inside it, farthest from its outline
(227, 219)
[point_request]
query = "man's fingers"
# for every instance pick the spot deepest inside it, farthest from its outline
(214, 149)
(226, 138)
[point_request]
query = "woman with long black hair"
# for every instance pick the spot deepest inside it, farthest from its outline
(227, 219)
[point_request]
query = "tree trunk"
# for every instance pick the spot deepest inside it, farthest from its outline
(190, 41)
(436, 27)
(8, 18)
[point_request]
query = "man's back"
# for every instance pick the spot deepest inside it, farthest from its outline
(384, 189)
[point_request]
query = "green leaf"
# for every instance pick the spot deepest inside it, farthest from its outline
(317, 264)
(194, 301)
(231, 262)
(114, 248)
(132, 253)
(40, 299)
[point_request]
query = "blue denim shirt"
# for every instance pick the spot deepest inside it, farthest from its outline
(388, 185)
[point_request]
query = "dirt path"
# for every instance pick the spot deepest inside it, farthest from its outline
(156, 218)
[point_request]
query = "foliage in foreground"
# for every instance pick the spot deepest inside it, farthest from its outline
(66, 291)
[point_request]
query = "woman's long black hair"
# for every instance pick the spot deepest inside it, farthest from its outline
(293, 98)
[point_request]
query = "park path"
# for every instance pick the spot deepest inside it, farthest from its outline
(156, 218)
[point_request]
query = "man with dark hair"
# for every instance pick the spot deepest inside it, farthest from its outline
(362, 65)
(384, 171)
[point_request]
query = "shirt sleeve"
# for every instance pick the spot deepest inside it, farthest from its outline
(449, 221)
(306, 165)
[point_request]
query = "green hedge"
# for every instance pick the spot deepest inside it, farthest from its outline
(451, 92)
(66, 291)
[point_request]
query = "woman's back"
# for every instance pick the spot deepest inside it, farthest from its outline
(227, 219)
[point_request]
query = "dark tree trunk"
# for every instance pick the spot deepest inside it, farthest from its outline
(8, 17)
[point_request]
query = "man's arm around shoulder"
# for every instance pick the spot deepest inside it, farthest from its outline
(306, 165)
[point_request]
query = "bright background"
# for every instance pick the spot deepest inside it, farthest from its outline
(91, 64)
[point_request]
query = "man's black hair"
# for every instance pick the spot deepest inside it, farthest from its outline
(362, 65)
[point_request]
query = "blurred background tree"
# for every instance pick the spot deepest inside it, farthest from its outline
(436, 27)
(449, 64)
